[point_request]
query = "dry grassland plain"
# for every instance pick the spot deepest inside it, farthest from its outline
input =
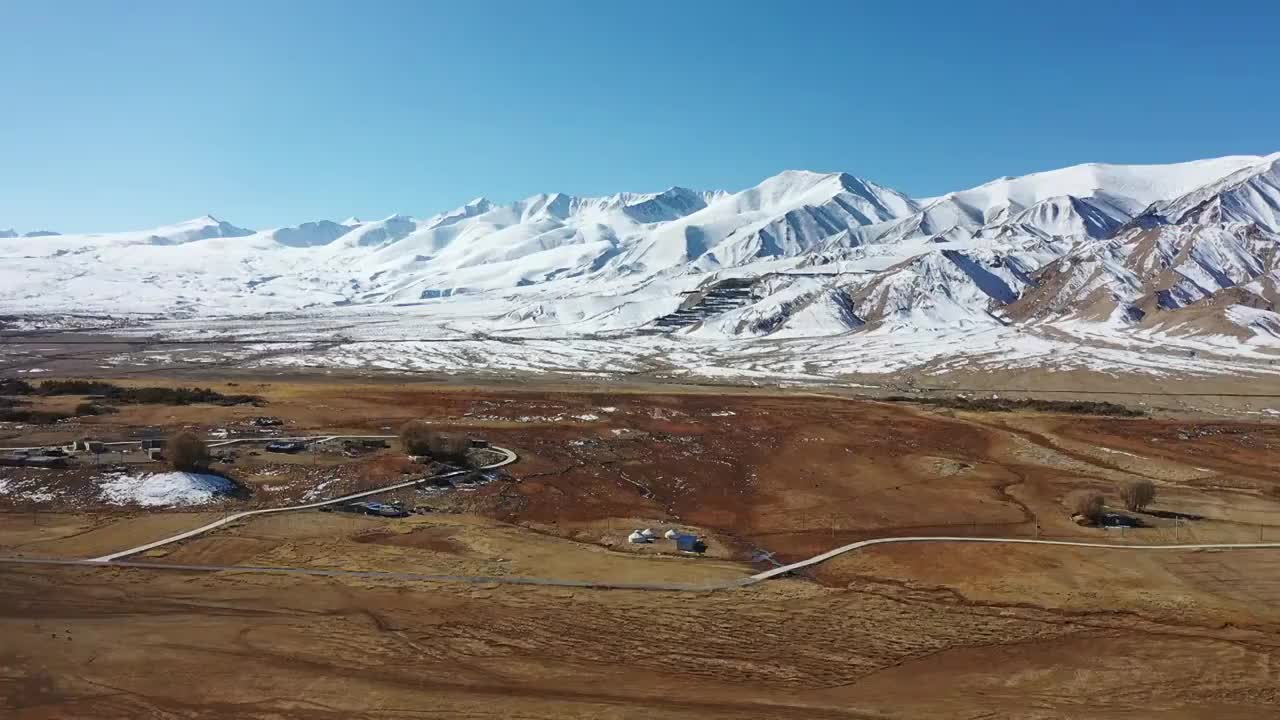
(946, 630)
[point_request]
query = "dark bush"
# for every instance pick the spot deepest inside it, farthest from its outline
(34, 417)
(89, 408)
(75, 387)
(187, 452)
(449, 447)
(143, 395)
(13, 386)
(417, 437)
(1075, 407)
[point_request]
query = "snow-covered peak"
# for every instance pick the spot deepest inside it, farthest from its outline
(792, 189)
(1249, 195)
(1063, 216)
(670, 204)
(377, 232)
(201, 228)
(789, 214)
(321, 232)
(941, 288)
(998, 214)
(1129, 187)
(200, 222)
(478, 206)
(554, 206)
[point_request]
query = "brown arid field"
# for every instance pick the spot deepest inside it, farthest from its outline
(919, 630)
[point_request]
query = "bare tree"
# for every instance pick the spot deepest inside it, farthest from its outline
(187, 452)
(1138, 494)
(417, 438)
(1089, 506)
(450, 447)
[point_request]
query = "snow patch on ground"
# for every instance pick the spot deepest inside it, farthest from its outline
(318, 491)
(163, 489)
(26, 491)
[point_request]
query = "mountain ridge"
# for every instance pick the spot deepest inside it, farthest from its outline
(823, 254)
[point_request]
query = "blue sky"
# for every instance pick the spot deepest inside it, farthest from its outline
(126, 115)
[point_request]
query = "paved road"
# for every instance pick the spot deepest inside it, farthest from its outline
(509, 457)
(607, 585)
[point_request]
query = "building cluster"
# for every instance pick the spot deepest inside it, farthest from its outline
(684, 542)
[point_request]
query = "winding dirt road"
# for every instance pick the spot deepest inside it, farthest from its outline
(114, 559)
(107, 561)
(508, 458)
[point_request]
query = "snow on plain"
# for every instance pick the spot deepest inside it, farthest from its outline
(1066, 345)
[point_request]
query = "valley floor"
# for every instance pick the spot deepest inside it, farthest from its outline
(767, 475)
(1211, 374)
(415, 341)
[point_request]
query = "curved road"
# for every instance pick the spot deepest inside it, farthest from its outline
(214, 442)
(509, 457)
(816, 559)
(609, 585)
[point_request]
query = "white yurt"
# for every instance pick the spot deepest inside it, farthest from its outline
(670, 534)
(649, 533)
(637, 537)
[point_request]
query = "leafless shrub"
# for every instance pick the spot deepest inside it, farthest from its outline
(417, 438)
(1137, 495)
(1089, 506)
(187, 452)
(449, 447)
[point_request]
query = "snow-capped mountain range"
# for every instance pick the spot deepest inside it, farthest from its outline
(1187, 248)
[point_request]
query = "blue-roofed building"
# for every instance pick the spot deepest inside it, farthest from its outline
(690, 543)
